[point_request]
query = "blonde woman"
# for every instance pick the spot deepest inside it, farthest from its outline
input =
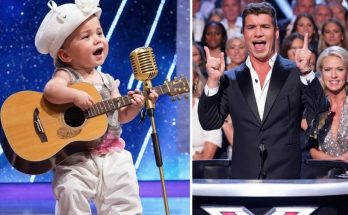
(236, 51)
(332, 129)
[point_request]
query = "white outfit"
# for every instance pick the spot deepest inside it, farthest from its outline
(106, 174)
(200, 136)
(110, 180)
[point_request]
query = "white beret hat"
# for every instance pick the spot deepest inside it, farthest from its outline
(60, 22)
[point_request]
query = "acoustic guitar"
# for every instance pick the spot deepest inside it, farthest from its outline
(40, 135)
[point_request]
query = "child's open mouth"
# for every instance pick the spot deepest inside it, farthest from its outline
(98, 51)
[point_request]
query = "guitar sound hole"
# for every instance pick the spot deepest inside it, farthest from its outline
(74, 117)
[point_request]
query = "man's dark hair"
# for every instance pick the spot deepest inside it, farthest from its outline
(260, 8)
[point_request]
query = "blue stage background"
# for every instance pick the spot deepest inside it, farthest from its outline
(162, 25)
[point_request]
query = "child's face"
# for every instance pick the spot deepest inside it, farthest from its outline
(86, 47)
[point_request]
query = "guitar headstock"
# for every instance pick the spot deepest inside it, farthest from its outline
(177, 86)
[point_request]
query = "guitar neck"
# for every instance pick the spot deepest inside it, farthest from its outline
(122, 101)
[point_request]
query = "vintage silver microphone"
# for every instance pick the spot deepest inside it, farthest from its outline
(144, 69)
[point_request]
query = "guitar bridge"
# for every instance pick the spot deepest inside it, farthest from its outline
(40, 131)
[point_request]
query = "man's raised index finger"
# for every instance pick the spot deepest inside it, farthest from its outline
(207, 52)
(305, 41)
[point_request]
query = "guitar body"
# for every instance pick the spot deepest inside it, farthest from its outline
(42, 134)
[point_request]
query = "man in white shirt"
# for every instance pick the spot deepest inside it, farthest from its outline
(265, 97)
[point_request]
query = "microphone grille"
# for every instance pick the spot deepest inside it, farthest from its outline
(143, 63)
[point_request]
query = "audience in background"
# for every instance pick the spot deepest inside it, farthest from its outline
(214, 37)
(197, 21)
(198, 57)
(333, 34)
(207, 6)
(236, 51)
(338, 11)
(204, 143)
(216, 15)
(292, 43)
(298, 7)
(304, 23)
(322, 13)
(232, 21)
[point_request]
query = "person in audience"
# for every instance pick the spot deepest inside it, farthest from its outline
(204, 143)
(216, 15)
(338, 11)
(331, 129)
(299, 7)
(198, 21)
(198, 57)
(304, 23)
(214, 37)
(292, 43)
(322, 13)
(232, 21)
(333, 34)
(207, 6)
(236, 51)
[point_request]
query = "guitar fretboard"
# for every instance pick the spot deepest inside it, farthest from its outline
(122, 101)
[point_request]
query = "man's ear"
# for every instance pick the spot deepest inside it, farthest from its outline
(63, 56)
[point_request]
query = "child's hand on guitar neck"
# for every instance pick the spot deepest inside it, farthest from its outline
(153, 96)
(82, 99)
(138, 99)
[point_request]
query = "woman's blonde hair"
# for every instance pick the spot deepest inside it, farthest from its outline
(332, 51)
(336, 51)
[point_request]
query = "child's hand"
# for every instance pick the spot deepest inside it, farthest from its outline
(153, 96)
(137, 99)
(83, 100)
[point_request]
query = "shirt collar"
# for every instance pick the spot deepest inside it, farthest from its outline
(270, 62)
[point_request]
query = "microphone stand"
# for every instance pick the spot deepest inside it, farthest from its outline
(150, 107)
